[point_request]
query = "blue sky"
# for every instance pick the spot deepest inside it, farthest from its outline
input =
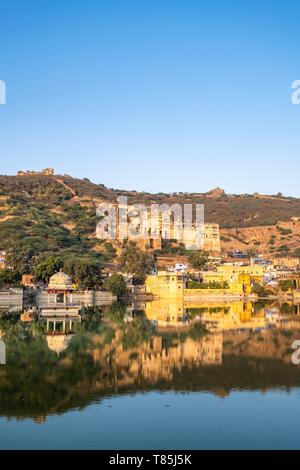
(160, 95)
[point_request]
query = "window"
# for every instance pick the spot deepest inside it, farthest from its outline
(60, 298)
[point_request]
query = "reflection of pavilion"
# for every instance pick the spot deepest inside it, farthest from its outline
(58, 344)
(61, 326)
(61, 314)
(60, 297)
(59, 332)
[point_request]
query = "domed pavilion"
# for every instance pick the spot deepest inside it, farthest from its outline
(60, 289)
(60, 297)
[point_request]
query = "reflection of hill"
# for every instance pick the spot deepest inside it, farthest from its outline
(36, 382)
(240, 373)
(271, 344)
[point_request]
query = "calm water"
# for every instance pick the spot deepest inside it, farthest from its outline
(153, 377)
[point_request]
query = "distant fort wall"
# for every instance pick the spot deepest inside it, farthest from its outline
(44, 172)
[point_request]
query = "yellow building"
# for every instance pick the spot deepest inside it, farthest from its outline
(212, 241)
(231, 272)
(212, 276)
(166, 284)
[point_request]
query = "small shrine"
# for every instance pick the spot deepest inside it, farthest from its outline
(60, 297)
(60, 289)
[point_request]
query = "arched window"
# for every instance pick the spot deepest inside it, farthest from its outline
(60, 298)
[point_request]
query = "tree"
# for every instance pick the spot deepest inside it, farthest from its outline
(197, 331)
(210, 285)
(20, 258)
(9, 278)
(110, 251)
(135, 261)
(136, 332)
(91, 319)
(286, 285)
(86, 272)
(116, 284)
(45, 269)
(116, 312)
(198, 260)
(261, 291)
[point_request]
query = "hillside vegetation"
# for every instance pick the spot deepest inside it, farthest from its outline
(42, 215)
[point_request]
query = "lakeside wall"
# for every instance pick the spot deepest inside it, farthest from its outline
(87, 298)
(11, 298)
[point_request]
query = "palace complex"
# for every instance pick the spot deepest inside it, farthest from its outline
(148, 228)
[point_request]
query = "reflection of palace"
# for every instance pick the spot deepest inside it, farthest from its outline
(148, 227)
(155, 360)
(59, 332)
(161, 362)
(118, 358)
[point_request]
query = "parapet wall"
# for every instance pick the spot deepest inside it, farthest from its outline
(87, 298)
(11, 298)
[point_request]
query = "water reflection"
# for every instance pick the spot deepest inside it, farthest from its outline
(54, 365)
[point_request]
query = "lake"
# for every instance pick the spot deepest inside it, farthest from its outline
(208, 376)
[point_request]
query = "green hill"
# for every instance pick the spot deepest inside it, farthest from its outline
(56, 214)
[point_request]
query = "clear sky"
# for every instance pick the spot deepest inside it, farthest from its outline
(155, 95)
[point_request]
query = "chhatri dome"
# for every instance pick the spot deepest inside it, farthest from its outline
(60, 280)
(58, 344)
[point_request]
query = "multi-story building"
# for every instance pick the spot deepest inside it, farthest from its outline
(173, 285)
(231, 272)
(148, 228)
